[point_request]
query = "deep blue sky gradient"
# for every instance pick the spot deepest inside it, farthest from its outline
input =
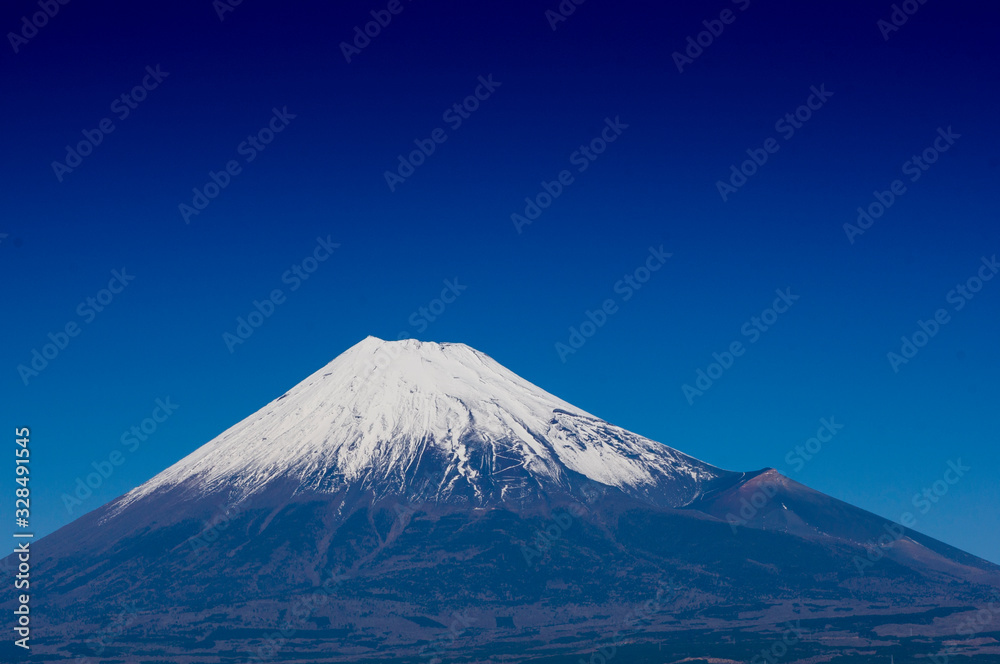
(323, 176)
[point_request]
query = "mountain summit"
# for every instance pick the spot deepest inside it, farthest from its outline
(430, 422)
(418, 502)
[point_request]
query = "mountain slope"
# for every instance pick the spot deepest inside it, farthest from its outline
(417, 500)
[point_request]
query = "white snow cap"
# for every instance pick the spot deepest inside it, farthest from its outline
(429, 421)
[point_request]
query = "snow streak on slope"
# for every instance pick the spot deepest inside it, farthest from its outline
(429, 421)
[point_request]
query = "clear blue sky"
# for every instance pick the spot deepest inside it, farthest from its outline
(552, 92)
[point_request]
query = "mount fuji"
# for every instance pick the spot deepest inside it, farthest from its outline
(429, 422)
(418, 502)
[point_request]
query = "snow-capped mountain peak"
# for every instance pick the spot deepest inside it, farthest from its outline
(429, 421)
